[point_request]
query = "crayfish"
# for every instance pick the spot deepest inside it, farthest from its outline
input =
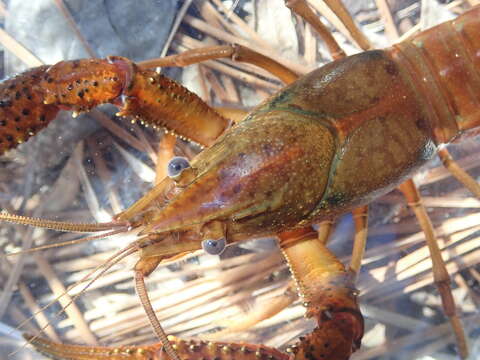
(328, 143)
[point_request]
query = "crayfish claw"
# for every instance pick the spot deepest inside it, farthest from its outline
(81, 352)
(190, 349)
(23, 109)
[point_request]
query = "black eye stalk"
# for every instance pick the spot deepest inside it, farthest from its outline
(176, 166)
(214, 247)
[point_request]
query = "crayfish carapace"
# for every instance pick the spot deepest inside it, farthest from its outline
(328, 143)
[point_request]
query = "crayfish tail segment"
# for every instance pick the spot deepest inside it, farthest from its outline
(22, 111)
(329, 295)
(191, 350)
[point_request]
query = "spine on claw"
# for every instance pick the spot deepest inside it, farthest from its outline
(22, 111)
(29, 101)
(81, 85)
(191, 350)
(162, 102)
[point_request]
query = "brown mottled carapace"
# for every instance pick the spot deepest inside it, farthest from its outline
(386, 110)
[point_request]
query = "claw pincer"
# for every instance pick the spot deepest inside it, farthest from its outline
(30, 100)
(22, 111)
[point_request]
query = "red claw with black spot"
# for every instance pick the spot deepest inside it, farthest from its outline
(29, 101)
(22, 111)
(187, 349)
(81, 85)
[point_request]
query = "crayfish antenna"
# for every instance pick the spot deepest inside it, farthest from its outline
(62, 226)
(104, 267)
(69, 242)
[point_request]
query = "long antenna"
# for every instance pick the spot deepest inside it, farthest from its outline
(114, 259)
(69, 242)
(60, 225)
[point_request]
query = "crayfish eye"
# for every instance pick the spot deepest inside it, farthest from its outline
(176, 166)
(214, 247)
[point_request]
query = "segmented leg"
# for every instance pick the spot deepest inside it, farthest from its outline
(440, 274)
(459, 173)
(327, 291)
(164, 154)
(360, 217)
(324, 231)
(234, 52)
(143, 268)
(277, 304)
(301, 8)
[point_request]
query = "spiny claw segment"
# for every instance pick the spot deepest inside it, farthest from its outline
(188, 350)
(29, 101)
(163, 103)
(80, 85)
(337, 336)
(22, 111)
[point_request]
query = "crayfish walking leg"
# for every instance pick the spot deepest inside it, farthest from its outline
(327, 291)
